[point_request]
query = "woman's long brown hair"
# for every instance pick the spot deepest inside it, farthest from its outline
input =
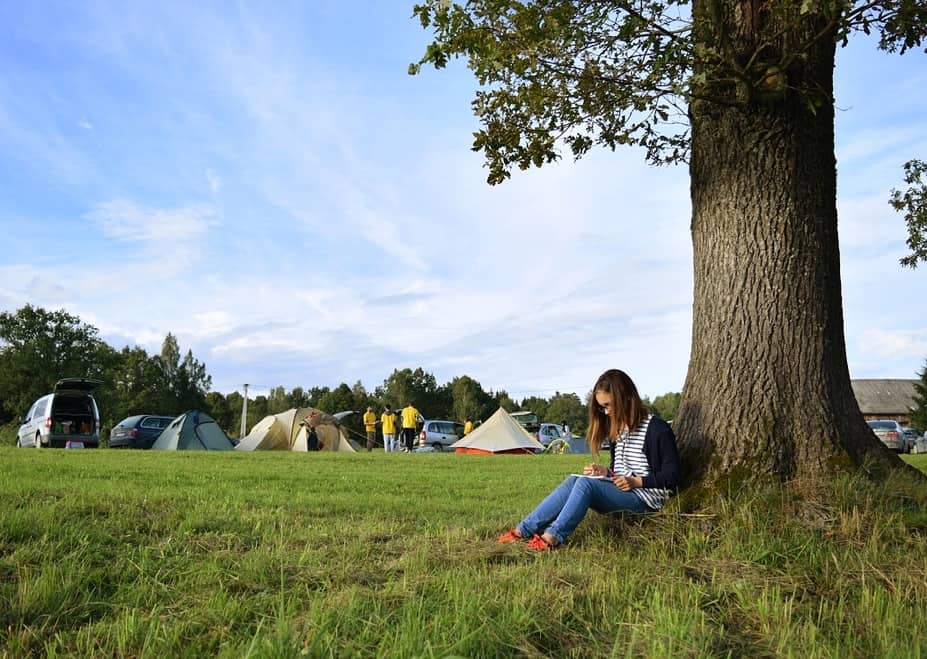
(627, 410)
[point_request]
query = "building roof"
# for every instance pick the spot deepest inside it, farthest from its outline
(884, 396)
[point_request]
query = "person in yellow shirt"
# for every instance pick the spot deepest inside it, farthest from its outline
(388, 425)
(468, 426)
(409, 418)
(370, 425)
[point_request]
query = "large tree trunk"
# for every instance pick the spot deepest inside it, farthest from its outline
(768, 389)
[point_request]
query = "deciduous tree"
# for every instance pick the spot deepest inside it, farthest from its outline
(38, 348)
(569, 408)
(469, 401)
(743, 92)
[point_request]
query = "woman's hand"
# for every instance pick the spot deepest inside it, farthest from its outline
(594, 470)
(628, 483)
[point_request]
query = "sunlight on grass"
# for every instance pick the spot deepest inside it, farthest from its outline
(125, 553)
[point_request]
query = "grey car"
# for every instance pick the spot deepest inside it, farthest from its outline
(68, 417)
(911, 435)
(439, 434)
(138, 431)
(891, 433)
(915, 439)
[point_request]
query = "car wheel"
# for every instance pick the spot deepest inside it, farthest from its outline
(438, 446)
(38, 441)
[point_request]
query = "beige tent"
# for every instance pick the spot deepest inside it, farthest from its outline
(287, 432)
(500, 433)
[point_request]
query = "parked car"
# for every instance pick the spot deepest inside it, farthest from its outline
(911, 435)
(920, 444)
(891, 433)
(439, 434)
(548, 432)
(67, 417)
(138, 431)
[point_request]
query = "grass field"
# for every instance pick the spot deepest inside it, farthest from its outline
(153, 554)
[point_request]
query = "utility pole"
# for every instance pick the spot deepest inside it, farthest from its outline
(244, 413)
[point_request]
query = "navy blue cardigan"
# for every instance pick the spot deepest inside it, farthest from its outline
(662, 456)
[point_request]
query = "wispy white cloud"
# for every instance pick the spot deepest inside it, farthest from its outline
(126, 221)
(897, 344)
(358, 234)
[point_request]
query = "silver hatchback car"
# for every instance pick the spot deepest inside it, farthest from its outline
(440, 434)
(69, 417)
(891, 433)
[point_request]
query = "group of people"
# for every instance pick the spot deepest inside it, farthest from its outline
(390, 423)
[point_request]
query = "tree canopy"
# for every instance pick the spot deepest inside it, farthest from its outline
(590, 73)
(38, 348)
(743, 93)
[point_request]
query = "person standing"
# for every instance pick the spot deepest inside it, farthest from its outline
(468, 426)
(312, 439)
(409, 418)
(565, 429)
(388, 425)
(370, 425)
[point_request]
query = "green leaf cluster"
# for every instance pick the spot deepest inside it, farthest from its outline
(573, 74)
(913, 203)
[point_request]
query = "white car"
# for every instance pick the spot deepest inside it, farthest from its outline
(66, 418)
(548, 432)
(439, 434)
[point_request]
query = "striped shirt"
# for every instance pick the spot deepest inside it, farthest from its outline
(630, 460)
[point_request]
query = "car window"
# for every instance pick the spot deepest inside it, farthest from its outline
(39, 409)
(444, 427)
(151, 423)
(881, 425)
(165, 422)
(458, 429)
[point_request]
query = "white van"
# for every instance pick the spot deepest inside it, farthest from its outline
(66, 418)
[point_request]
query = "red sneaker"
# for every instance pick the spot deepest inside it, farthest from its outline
(512, 535)
(538, 543)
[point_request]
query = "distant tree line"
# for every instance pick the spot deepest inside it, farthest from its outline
(39, 347)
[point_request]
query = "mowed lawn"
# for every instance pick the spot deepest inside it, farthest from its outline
(157, 554)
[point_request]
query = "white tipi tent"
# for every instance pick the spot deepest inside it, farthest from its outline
(286, 431)
(500, 433)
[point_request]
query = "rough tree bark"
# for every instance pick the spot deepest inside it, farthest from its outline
(768, 392)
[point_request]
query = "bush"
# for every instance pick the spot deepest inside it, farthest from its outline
(8, 433)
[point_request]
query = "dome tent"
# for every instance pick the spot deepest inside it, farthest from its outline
(500, 433)
(287, 431)
(193, 431)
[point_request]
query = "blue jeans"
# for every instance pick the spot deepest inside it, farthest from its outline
(561, 512)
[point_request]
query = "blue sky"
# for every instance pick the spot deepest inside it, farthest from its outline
(266, 181)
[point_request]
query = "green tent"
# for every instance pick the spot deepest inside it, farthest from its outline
(193, 431)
